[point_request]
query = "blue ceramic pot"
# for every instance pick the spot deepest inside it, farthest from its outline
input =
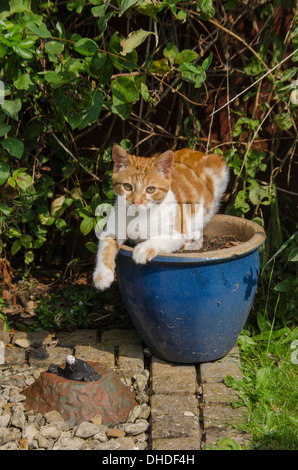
(191, 307)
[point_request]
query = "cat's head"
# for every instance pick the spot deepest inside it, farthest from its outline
(141, 180)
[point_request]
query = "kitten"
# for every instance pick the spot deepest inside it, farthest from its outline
(156, 189)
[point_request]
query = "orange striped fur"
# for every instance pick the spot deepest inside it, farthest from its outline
(184, 177)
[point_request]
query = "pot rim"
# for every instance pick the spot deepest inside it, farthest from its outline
(216, 256)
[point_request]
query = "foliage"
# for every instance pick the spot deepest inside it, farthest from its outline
(58, 82)
(269, 386)
(57, 311)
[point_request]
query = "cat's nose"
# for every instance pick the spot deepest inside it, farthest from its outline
(137, 203)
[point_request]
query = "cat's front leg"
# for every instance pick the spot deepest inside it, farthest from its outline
(147, 250)
(104, 273)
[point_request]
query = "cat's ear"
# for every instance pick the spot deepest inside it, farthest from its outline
(164, 162)
(120, 157)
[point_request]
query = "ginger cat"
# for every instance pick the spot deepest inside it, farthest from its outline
(156, 189)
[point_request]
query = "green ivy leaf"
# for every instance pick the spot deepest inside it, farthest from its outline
(91, 246)
(182, 15)
(28, 216)
(284, 121)
(145, 92)
(23, 180)
(13, 146)
(100, 10)
(293, 256)
(77, 5)
(259, 194)
(21, 51)
(26, 241)
(87, 225)
(124, 94)
(97, 62)
(192, 73)
(15, 247)
(3, 50)
(124, 89)
(207, 62)
(39, 242)
(159, 66)
(4, 128)
(29, 257)
(284, 286)
(4, 172)
(90, 114)
(24, 82)
(11, 108)
(171, 52)
(18, 6)
(240, 201)
(41, 31)
(125, 5)
(249, 123)
(59, 79)
(206, 9)
(4, 209)
(133, 40)
(103, 22)
(129, 62)
(86, 46)
(187, 55)
(53, 49)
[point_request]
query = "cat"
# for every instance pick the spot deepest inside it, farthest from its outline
(159, 185)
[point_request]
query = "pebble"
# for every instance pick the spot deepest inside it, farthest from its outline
(115, 432)
(86, 429)
(22, 429)
(22, 343)
(138, 427)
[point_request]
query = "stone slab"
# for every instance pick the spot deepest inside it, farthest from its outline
(117, 337)
(215, 372)
(219, 415)
(173, 416)
(180, 443)
(5, 337)
(131, 358)
(215, 433)
(169, 378)
(74, 338)
(35, 338)
(218, 393)
(13, 356)
(103, 354)
(41, 358)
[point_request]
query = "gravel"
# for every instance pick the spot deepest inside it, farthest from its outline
(22, 429)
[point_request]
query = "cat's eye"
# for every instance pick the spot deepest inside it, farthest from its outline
(127, 186)
(150, 189)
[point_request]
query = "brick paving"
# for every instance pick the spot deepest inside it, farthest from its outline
(191, 407)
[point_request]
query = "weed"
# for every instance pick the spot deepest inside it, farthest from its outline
(67, 311)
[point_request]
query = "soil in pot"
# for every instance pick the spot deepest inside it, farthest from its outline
(214, 243)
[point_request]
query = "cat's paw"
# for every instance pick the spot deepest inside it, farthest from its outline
(143, 253)
(103, 279)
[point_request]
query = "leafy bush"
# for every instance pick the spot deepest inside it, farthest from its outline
(57, 83)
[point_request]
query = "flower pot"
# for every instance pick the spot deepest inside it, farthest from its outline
(191, 307)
